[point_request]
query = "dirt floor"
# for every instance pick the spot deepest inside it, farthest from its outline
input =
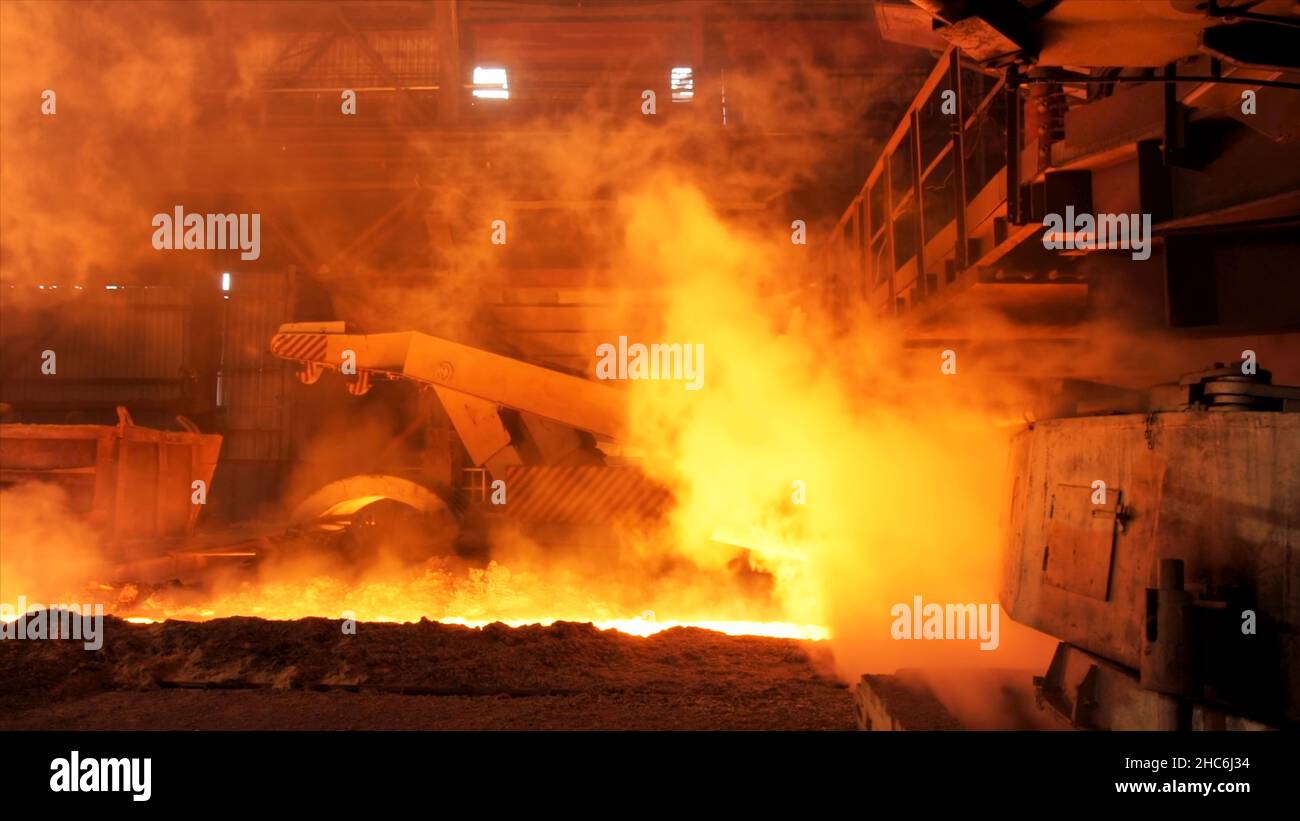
(244, 673)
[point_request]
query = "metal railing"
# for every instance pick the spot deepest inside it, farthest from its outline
(924, 216)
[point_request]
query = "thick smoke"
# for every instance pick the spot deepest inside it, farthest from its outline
(81, 184)
(47, 554)
(902, 467)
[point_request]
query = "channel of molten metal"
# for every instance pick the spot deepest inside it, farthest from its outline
(633, 627)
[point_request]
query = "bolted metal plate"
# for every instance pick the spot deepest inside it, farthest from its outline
(1081, 540)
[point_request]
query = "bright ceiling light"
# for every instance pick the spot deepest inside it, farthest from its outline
(490, 83)
(682, 82)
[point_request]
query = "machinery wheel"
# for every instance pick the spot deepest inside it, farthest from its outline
(388, 530)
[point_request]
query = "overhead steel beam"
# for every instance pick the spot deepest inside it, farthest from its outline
(376, 231)
(446, 26)
(377, 62)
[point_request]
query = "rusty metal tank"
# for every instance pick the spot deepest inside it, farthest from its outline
(133, 484)
(1174, 587)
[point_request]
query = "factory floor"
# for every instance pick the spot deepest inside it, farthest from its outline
(307, 674)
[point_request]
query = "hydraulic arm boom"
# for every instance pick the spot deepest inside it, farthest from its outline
(455, 369)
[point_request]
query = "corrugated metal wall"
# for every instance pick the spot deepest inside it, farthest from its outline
(253, 396)
(113, 346)
(583, 495)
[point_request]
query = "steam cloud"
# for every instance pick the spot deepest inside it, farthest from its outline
(903, 469)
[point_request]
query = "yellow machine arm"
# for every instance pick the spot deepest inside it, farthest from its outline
(473, 384)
